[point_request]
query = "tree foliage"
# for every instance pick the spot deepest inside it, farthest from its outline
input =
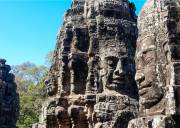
(30, 84)
(49, 58)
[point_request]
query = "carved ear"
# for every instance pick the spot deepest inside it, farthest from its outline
(70, 64)
(100, 63)
(98, 60)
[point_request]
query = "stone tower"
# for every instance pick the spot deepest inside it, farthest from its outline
(157, 64)
(9, 99)
(91, 82)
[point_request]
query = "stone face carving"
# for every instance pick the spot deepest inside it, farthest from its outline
(150, 88)
(9, 99)
(157, 68)
(94, 68)
(92, 80)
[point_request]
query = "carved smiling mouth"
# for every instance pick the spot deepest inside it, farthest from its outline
(144, 88)
(119, 80)
(143, 91)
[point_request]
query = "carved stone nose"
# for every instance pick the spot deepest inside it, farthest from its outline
(139, 76)
(119, 68)
(46, 81)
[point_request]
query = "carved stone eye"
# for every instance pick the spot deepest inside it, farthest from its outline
(148, 58)
(112, 61)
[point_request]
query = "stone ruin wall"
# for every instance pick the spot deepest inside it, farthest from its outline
(9, 99)
(100, 52)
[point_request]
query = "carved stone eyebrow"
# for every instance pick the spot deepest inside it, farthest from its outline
(149, 48)
(111, 57)
(145, 49)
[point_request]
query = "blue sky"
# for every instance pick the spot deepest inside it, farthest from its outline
(28, 28)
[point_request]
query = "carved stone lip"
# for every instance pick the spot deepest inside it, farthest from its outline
(144, 85)
(144, 88)
(119, 80)
(143, 91)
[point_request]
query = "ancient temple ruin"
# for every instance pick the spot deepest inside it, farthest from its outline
(110, 72)
(157, 65)
(9, 99)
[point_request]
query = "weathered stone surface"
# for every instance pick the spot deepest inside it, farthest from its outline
(92, 80)
(9, 99)
(159, 121)
(91, 83)
(157, 64)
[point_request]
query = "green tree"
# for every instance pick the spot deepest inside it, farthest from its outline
(30, 84)
(49, 58)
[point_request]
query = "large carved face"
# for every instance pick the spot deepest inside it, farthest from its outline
(147, 75)
(50, 85)
(114, 71)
